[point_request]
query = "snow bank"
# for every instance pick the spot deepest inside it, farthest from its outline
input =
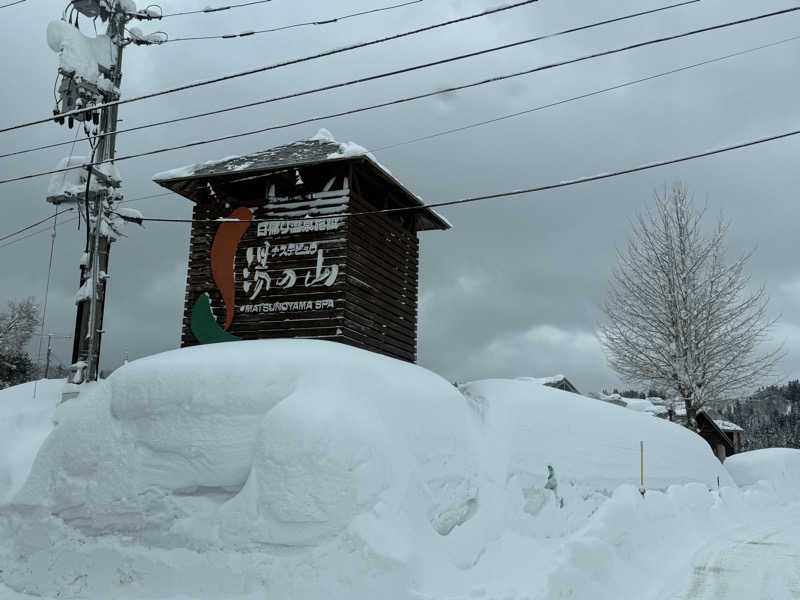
(291, 439)
(632, 537)
(26, 418)
(309, 469)
(634, 546)
(594, 443)
(776, 468)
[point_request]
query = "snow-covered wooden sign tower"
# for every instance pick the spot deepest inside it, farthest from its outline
(286, 243)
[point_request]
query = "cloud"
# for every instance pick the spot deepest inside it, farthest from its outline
(541, 351)
(514, 287)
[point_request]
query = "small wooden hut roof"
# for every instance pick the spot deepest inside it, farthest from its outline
(713, 434)
(191, 181)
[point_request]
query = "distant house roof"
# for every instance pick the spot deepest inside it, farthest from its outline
(713, 433)
(555, 381)
(188, 181)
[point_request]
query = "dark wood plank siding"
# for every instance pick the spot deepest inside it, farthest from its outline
(373, 302)
(273, 313)
(383, 273)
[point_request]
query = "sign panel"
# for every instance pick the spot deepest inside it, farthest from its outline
(277, 277)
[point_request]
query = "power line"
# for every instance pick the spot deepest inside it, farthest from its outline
(35, 233)
(583, 96)
(46, 229)
(11, 4)
(32, 225)
(519, 192)
(411, 98)
(215, 9)
(371, 77)
(274, 66)
(229, 36)
(159, 195)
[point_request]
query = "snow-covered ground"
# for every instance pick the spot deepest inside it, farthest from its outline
(754, 552)
(308, 469)
(26, 413)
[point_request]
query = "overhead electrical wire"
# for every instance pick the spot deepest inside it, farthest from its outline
(367, 78)
(407, 99)
(214, 9)
(11, 4)
(251, 32)
(286, 63)
(583, 96)
(48, 228)
(489, 121)
(32, 225)
(38, 232)
(518, 192)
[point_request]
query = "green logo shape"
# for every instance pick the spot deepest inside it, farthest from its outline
(205, 327)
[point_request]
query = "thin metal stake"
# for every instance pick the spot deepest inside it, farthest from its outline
(641, 468)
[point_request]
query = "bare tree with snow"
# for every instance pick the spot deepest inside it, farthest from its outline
(680, 317)
(17, 325)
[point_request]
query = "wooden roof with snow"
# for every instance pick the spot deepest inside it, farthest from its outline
(192, 181)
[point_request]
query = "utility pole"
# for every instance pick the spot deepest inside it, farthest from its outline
(82, 88)
(101, 244)
(50, 337)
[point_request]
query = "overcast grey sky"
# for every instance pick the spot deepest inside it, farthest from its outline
(515, 287)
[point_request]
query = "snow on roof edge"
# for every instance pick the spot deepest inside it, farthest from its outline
(727, 425)
(542, 380)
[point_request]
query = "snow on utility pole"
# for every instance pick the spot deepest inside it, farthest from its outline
(91, 74)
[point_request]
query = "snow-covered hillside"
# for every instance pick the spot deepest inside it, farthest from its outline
(308, 469)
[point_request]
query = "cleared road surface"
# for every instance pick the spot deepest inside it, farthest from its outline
(755, 563)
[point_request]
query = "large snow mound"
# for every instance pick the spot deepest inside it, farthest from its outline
(778, 468)
(26, 418)
(310, 469)
(286, 442)
(589, 441)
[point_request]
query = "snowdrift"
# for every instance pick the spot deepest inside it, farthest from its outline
(774, 468)
(315, 470)
(593, 443)
(26, 418)
(284, 441)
